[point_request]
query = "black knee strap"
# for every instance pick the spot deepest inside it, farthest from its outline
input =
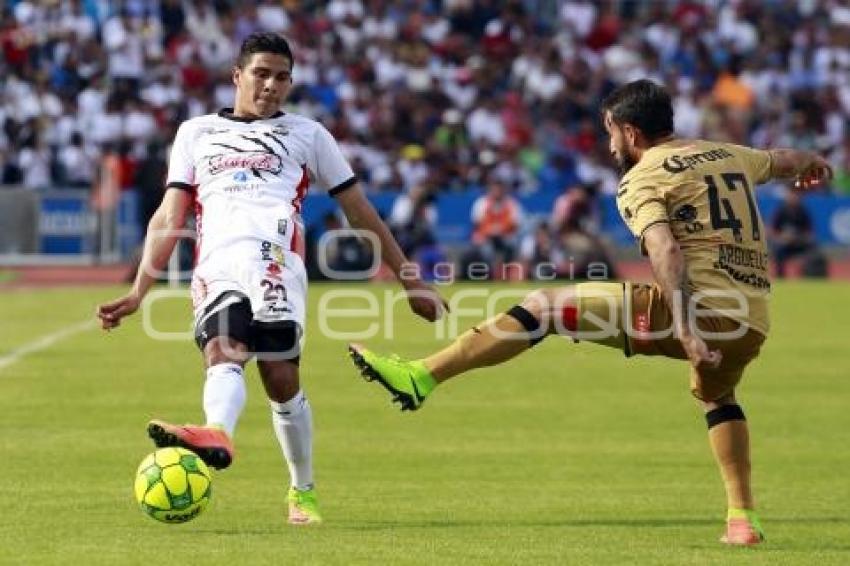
(724, 413)
(527, 320)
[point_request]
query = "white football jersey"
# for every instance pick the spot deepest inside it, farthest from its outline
(250, 177)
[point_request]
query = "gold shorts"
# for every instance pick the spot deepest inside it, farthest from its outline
(604, 307)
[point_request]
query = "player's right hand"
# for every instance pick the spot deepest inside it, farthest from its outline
(817, 171)
(110, 314)
(699, 354)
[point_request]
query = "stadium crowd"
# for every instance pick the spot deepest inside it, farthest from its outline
(441, 93)
(437, 95)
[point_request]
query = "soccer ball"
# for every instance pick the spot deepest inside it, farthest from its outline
(173, 485)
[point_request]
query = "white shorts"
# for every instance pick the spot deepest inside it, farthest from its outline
(274, 280)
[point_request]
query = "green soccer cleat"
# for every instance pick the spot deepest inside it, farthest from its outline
(303, 507)
(408, 381)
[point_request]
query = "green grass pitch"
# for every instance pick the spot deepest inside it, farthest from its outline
(567, 455)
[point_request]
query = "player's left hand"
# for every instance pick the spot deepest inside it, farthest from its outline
(818, 171)
(698, 353)
(425, 301)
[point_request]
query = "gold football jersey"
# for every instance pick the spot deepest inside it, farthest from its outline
(705, 191)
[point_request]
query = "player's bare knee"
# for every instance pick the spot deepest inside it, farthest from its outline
(536, 303)
(553, 308)
(225, 350)
(549, 305)
(728, 399)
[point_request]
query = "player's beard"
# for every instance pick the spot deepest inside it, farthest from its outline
(625, 161)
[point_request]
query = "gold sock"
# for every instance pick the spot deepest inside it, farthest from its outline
(730, 442)
(491, 342)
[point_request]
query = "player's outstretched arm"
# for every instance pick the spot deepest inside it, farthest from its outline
(668, 265)
(163, 233)
(423, 299)
(806, 167)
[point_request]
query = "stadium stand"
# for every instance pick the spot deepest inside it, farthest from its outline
(444, 94)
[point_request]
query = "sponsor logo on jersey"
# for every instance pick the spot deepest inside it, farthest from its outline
(686, 213)
(240, 176)
(210, 131)
(254, 160)
(242, 188)
(272, 253)
(273, 272)
(679, 163)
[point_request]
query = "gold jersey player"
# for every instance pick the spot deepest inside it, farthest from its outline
(690, 204)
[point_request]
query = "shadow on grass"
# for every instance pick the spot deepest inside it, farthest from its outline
(385, 525)
(578, 523)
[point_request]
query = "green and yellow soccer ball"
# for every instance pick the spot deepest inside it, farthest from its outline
(173, 485)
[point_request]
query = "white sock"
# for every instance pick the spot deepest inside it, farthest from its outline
(293, 426)
(224, 396)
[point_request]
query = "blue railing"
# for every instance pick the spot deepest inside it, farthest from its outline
(830, 214)
(66, 223)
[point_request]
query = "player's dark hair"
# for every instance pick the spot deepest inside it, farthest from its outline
(263, 42)
(643, 104)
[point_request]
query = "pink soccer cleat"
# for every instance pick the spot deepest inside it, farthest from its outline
(743, 529)
(210, 443)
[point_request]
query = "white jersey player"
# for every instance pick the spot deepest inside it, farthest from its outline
(249, 178)
(246, 171)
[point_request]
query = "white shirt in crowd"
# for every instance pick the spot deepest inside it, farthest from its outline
(486, 125)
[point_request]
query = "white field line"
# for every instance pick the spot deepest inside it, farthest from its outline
(44, 342)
